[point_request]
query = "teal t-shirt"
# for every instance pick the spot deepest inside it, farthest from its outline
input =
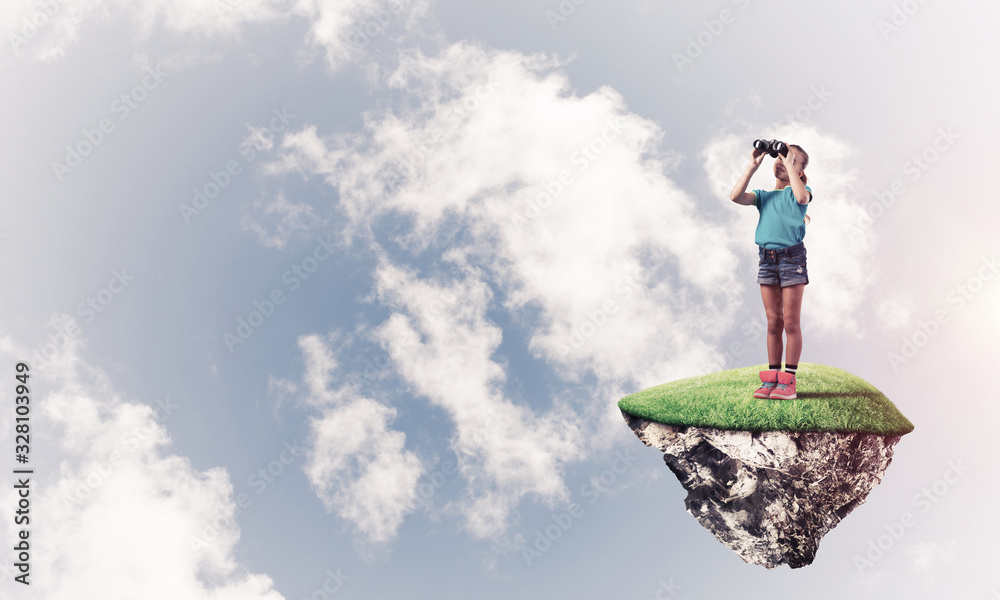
(782, 219)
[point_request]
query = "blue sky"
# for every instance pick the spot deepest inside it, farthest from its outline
(449, 237)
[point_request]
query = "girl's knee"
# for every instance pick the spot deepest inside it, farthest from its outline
(792, 327)
(775, 325)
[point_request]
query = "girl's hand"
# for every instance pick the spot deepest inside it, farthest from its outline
(789, 162)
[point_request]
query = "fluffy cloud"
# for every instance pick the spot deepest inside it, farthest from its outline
(274, 223)
(360, 468)
(117, 515)
(343, 29)
(928, 559)
(357, 465)
(46, 29)
(564, 202)
(505, 451)
(895, 311)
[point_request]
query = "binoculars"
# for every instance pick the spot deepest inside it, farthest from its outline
(772, 147)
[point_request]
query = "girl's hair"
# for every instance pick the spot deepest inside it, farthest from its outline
(805, 161)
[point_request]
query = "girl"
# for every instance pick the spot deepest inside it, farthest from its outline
(782, 271)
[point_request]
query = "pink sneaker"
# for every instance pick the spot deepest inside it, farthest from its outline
(785, 390)
(769, 380)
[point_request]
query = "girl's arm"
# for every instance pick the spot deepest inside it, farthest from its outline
(798, 188)
(740, 195)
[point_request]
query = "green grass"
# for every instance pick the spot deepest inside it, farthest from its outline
(829, 399)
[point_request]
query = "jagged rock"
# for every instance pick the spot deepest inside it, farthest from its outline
(771, 495)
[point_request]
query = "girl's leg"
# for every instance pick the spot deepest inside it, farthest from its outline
(791, 306)
(772, 296)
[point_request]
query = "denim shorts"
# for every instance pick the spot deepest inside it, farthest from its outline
(782, 266)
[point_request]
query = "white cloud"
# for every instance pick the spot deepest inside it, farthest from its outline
(344, 29)
(277, 221)
(505, 451)
(258, 139)
(360, 469)
(895, 312)
(117, 515)
(629, 282)
(357, 465)
(47, 28)
(928, 558)
(320, 364)
(280, 390)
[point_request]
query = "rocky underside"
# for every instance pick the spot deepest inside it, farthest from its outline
(772, 495)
